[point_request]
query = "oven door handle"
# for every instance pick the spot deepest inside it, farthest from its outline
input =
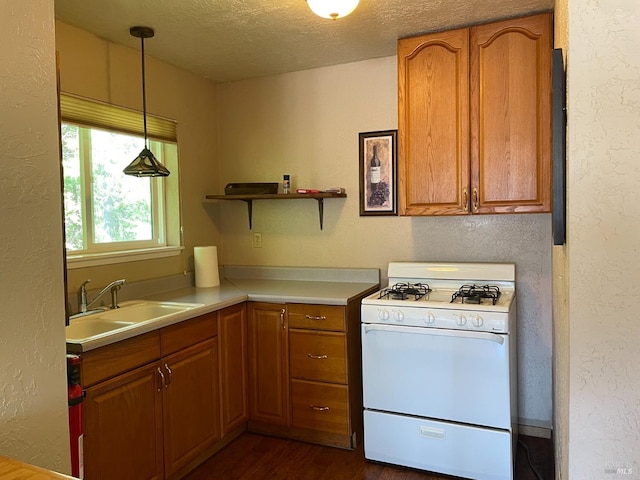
(436, 332)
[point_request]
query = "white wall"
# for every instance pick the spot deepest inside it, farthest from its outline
(307, 124)
(561, 367)
(33, 393)
(604, 238)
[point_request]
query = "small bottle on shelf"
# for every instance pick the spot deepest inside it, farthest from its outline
(286, 184)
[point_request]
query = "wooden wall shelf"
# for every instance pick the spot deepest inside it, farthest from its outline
(319, 197)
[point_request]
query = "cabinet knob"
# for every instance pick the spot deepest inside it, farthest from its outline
(475, 199)
(465, 200)
(315, 317)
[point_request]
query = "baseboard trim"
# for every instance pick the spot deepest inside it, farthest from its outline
(530, 431)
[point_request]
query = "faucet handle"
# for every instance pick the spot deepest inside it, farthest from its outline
(82, 291)
(82, 296)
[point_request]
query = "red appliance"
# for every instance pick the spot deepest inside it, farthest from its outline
(75, 396)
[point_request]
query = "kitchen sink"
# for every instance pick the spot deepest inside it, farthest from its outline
(92, 327)
(131, 314)
(145, 310)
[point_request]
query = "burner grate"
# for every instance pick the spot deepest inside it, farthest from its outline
(475, 294)
(405, 291)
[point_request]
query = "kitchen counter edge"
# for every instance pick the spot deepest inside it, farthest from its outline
(233, 291)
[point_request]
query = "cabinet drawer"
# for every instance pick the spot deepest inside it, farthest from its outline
(318, 356)
(108, 361)
(189, 332)
(319, 406)
(317, 317)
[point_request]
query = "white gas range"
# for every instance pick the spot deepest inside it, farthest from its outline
(439, 369)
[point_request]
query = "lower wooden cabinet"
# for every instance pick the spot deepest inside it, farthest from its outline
(232, 337)
(190, 400)
(305, 380)
(268, 365)
(156, 405)
(123, 431)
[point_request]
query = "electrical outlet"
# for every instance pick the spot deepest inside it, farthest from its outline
(257, 240)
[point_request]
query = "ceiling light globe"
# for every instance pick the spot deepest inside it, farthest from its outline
(332, 8)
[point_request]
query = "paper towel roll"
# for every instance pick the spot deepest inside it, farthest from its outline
(205, 260)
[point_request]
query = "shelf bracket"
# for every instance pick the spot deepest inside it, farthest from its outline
(320, 209)
(249, 210)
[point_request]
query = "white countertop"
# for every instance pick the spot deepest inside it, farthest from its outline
(295, 291)
(274, 285)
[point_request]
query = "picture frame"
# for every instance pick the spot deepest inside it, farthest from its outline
(378, 170)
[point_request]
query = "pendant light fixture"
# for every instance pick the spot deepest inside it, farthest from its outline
(332, 8)
(145, 164)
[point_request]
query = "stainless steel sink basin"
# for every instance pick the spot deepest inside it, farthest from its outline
(130, 315)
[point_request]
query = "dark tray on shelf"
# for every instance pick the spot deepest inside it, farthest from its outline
(251, 188)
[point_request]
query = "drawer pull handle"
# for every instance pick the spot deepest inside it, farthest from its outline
(315, 317)
(318, 357)
(161, 379)
(318, 409)
(169, 372)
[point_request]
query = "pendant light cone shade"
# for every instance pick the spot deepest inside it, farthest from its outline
(145, 164)
(332, 8)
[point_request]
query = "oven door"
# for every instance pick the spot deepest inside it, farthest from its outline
(453, 375)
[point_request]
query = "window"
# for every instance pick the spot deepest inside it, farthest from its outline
(108, 213)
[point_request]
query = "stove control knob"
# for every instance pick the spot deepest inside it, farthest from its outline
(383, 314)
(461, 320)
(477, 321)
(398, 316)
(429, 318)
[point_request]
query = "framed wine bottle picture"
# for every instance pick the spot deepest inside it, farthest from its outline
(378, 163)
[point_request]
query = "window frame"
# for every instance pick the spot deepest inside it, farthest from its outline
(88, 114)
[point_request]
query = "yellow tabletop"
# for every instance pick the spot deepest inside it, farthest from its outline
(15, 470)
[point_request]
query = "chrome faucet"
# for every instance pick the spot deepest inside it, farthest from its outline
(114, 286)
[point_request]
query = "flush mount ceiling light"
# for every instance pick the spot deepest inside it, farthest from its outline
(145, 164)
(332, 8)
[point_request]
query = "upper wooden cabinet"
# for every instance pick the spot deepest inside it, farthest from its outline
(474, 125)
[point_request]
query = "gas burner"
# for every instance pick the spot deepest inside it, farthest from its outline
(403, 291)
(475, 294)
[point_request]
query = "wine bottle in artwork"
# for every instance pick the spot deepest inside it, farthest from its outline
(374, 169)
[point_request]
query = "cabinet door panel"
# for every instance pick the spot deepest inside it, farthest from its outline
(510, 115)
(191, 403)
(268, 367)
(433, 123)
(123, 427)
(232, 335)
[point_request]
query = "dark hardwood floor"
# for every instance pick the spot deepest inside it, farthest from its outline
(258, 457)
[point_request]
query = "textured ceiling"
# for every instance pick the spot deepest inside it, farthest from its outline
(227, 40)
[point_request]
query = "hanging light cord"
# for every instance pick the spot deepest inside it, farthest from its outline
(144, 94)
